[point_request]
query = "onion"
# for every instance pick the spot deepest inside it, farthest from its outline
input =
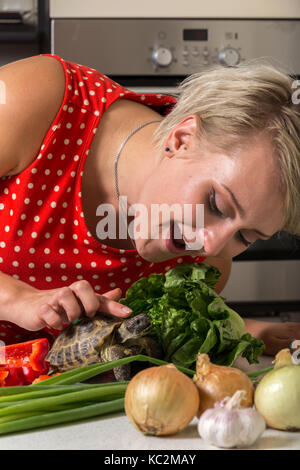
(161, 400)
(277, 396)
(218, 382)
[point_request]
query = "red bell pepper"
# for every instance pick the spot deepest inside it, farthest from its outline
(22, 363)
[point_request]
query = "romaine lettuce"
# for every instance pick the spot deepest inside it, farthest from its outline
(189, 317)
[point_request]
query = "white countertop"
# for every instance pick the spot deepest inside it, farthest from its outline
(115, 432)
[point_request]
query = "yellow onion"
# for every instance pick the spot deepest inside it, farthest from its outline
(161, 400)
(277, 396)
(218, 382)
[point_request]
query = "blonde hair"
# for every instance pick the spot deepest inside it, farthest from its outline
(235, 103)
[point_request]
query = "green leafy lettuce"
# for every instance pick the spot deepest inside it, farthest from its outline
(188, 316)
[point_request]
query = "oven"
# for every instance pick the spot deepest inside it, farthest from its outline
(154, 55)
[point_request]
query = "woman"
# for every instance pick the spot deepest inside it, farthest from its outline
(73, 142)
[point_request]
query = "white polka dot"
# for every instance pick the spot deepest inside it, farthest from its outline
(32, 278)
(110, 274)
(90, 251)
(7, 228)
(15, 263)
(97, 84)
(80, 83)
(95, 276)
(97, 287)
(2, 244)
(34, 234)
(56, 188)
(27, 200)
(78, 265)
(47, 265)
(47, 235)
(20, 233)
(65, 204)
(53, 204)
(30, 185)
(75, 222)
(112, 284)
(1, 206)
(76, 251)
(66, 141)
(17, 248)
(79, 141)
(48, 278)
(32, 250)
(76, 158)
(86, 102)
(61, 251)
(36, 218)
(18, 180)
(49, 156)
(179, 260)
(63, 156)
(124, 269)
(14, 196)
(123, 260)
(82, 126)
(50, 220)
(103, 100)
(139, 263)
(44, 187)
(11, 212)
(31, 265)
(39, 202)
(70, 109)
(47, 251)
(64, 278)
(34, 170)
(47, 172)
(96, 113)
(1, 260)
(122, 251)
(93, 264)
(108, 262)
(74, 236)
(73, 173)
(127, 280)
(68, 125)
(61, 236)
(63, 266)
(23, 216)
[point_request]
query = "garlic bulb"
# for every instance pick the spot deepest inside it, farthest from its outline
(229, 425)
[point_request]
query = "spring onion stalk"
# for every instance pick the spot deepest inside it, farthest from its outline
(86, 372)
(66, 416)
(54, 390)
(97, 393)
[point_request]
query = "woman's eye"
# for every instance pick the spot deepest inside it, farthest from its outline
(243, 239)
(213, 204)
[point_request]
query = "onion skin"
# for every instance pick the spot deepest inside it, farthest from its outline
(161, 400)
(218, 382)
(277, 398)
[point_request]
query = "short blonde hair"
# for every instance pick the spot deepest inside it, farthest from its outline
(234, 103)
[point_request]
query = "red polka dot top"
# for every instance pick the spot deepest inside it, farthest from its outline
(44, 240)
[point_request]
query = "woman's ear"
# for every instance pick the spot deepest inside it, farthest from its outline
(183, 136)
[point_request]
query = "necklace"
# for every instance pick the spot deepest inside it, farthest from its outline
(116, 161)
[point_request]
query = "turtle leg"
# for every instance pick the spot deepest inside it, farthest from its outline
(113, 353)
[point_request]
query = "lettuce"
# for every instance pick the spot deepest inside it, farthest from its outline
(188, 316)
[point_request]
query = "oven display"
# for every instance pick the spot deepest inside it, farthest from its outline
(195, 34)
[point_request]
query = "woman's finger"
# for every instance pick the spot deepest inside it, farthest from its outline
(112, 307)
(50, 317)
(86, 297)
(114, 294)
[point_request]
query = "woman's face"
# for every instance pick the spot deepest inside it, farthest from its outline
(240, 194)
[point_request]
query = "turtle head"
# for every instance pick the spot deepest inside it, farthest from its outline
(134, 327)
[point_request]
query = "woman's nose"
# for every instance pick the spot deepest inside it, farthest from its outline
(216, 238)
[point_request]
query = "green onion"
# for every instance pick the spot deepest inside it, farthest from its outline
(86, 372)
(53, 390)
(66, 416)
(95, 393)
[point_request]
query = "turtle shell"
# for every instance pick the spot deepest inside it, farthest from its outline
(79, 344)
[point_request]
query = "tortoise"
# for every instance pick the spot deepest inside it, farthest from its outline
(101, 339)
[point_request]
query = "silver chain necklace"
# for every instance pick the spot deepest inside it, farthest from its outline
(116, 161)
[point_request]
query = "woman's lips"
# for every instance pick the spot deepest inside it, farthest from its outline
(170, 242)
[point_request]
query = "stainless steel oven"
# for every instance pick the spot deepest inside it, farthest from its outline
(155, 54)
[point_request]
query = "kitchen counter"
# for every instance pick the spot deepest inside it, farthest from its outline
(115, 432)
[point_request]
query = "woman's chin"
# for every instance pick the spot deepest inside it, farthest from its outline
(149, 251)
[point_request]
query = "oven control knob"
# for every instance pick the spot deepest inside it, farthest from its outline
(229, 57)
(162, 57)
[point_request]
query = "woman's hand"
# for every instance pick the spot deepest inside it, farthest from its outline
(275, 335)
(37, 309)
